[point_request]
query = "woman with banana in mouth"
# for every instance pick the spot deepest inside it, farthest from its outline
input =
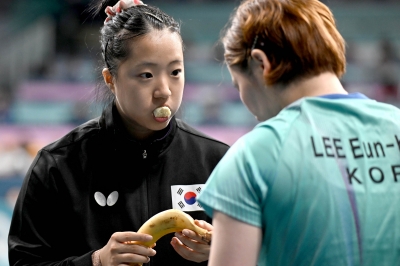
(87, 194)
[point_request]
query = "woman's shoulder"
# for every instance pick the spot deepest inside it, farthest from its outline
(190, 132)
(76, 136)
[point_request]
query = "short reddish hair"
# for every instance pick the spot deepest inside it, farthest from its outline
(299, 37)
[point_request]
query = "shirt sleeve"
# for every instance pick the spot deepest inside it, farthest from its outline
(39, 228)
(239, 184)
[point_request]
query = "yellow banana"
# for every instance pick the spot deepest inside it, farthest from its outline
(166, 222)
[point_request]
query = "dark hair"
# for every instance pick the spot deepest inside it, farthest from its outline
(116, 35)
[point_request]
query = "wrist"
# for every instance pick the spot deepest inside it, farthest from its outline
(96, 258)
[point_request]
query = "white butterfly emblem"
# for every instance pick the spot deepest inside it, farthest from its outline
(101, 199)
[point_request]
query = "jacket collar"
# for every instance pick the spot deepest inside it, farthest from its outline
(111, 123)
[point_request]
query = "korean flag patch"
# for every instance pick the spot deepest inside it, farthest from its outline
(184, 197)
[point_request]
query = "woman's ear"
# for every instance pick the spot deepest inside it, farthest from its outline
(261, 61)
(108, 79)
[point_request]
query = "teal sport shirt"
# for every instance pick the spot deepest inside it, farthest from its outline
(322, 181)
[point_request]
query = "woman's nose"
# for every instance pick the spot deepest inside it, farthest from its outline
(162, 89)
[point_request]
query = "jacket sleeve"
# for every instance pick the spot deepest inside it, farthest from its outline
(39, 231)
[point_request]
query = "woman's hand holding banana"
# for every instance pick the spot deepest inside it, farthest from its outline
(117, 252)
(192, 240)
(192, 246)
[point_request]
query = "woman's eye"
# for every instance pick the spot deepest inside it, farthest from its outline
(176, 72)
(146, 75)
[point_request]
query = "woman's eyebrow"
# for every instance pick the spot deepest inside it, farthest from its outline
(145, 63)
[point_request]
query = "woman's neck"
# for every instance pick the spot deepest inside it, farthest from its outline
(325, 83)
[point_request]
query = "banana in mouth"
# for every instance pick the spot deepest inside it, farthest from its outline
(163, 111)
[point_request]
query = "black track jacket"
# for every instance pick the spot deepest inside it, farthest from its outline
(57, 221)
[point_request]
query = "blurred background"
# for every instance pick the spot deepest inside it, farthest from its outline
(49, 69)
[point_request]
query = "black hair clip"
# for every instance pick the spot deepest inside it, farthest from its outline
(105, 53)
(255, 44)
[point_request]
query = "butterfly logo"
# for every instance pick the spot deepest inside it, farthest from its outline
(102, 201)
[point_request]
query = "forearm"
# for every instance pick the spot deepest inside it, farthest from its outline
(234, 243)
